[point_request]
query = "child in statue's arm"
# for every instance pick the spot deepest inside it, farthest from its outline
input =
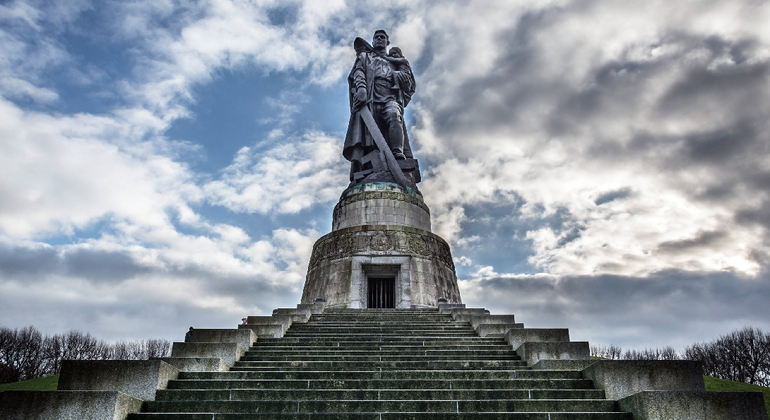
(396, 57)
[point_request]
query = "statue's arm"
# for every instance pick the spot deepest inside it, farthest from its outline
(357, 83)
(403, 80)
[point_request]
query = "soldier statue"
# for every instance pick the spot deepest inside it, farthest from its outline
(381, 84)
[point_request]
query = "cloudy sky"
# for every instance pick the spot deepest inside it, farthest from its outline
(597, 165)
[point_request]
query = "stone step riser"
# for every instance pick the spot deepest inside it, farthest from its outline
(393, 374)
(357, 384)
(375, 347)
(382, 325)
(368, 361)
(383, 366)
(404, 395)
(385, 416)
(377, 355)
(399, 345)
(446, 406)
(472, 364)
(377, 341)
(352, 336)
(406, 340)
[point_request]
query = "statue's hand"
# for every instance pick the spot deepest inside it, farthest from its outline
(402, 79)
(359, 98)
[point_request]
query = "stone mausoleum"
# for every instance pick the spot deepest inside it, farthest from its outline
(381, 332)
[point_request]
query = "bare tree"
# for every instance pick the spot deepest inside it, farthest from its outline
(742, 355)
(26, 354)
(611, 352)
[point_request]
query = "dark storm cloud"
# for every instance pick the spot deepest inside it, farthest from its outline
(701, 240)
(471, 110)
(101, 265)
(24, 262)
(675, 307)
(720, 81)
(93, 265)
(612, 196)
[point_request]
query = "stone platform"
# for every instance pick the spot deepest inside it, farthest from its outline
(381, 230)
(419, 364)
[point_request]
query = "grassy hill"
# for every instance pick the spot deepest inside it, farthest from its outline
(47, 383)
(715, 384)
(712, 384)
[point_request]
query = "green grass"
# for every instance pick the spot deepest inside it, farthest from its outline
(47, 383)
(715, 384)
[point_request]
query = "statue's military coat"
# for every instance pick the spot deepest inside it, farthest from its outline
(358, 140)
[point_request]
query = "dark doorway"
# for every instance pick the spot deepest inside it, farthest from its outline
(382, 292)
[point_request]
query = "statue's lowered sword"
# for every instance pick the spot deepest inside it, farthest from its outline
(379, 140)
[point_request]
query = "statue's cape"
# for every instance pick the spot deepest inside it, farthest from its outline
(360, 45)
(358, 139)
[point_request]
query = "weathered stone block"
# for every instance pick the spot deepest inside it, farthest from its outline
(229, 352)
(137, 378)
(315, 308)
(695, 405)
(67, 405)
(491, 319)
(266, 331)
(296, 314)
(563, 350)
(197, 364)
(245, 338)
(519, 336)
(444, 308)
(484, 330)
(284, 320)
(623, 378)
(563, 364)
(465, 315)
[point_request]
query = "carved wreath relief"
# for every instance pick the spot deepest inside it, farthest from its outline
(340, 245)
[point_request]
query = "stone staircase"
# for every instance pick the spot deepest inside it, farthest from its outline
(381, 364)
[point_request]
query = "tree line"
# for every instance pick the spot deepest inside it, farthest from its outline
(742, 355)
(25, 353)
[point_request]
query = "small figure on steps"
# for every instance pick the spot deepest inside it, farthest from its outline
(188, 336)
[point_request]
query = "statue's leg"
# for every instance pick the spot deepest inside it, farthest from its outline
(393, 114)
(378, 112)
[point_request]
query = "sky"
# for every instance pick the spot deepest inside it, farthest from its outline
(602, 166)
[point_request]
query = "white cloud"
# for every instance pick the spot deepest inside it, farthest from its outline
(288, 177)
(552, 109)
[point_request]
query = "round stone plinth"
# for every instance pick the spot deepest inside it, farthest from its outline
(419, 262)
(381, 203)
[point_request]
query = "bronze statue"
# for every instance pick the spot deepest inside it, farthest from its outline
(381, 84)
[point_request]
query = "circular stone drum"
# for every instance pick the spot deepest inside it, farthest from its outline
(381, 253)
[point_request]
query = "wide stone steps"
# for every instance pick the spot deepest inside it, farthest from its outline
(409, 364)
(369, 347)
(522, 384)
(427, 374)
(377, 394)
(362, 356)
(395, 335)
(441, 406)
(385, 416)
(406, 341)
(381, 364)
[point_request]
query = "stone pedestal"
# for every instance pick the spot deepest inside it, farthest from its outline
(381, 230)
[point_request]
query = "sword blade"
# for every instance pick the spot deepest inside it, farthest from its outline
(379, 140)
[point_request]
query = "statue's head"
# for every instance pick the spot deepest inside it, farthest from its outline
(395, 52)
(380, 39)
